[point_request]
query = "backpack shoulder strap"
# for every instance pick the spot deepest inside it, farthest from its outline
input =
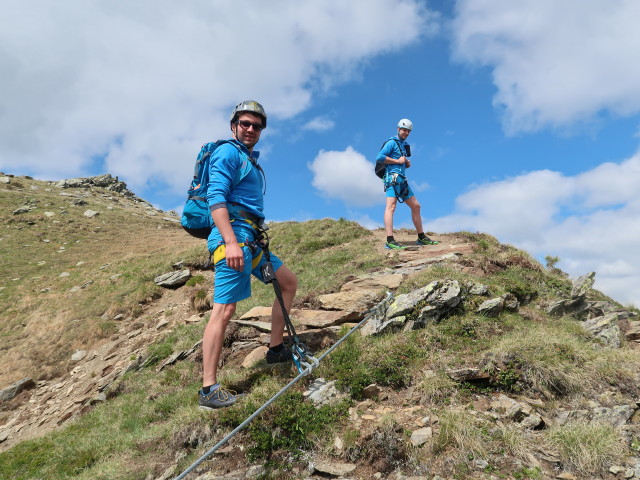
(397, 143)
(247, 164)
(400, 147)
(384, 143)
(212, 146)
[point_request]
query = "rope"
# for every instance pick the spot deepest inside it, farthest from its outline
(377, 310)
(299, 351)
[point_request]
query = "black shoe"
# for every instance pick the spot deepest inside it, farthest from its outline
(283, 356)
(218, 398)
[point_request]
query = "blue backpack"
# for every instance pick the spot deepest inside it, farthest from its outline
(196, 216)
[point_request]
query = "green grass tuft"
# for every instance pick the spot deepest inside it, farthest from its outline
(586, 448)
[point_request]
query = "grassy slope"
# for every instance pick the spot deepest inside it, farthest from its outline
(115, 256)
(151, 418)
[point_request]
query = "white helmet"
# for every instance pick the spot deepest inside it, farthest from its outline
(405, 123)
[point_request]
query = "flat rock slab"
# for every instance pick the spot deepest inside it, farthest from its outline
(257, 312)
(353, 301)
(307, 318)
(447, 257)
(389, 281)
(317, 318)
(467, 374)
(260, 326)
(334, 468)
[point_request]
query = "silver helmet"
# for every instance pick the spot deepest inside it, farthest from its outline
(249, 106)
(405, 123)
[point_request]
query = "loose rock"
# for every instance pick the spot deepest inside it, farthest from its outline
(173, 279)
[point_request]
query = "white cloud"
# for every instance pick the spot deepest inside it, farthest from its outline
(554, 63)
(419, 186)
(131, 87)
(589, 220)
(367, 222)
(346, 176)
(319, 124)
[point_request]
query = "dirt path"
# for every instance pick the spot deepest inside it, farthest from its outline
(449, 242)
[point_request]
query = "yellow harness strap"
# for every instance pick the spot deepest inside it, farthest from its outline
(220, 253)
(251, 224)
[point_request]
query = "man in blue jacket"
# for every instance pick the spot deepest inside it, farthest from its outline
(394, 154)
(237, 211)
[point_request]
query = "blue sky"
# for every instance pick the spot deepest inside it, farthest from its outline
(526, 114)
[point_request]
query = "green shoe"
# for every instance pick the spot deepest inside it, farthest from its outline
(393, 245)
(426, 241)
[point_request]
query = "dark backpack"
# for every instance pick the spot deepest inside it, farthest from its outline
(196, 216)
(381, 167)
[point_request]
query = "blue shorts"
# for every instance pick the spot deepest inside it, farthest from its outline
(229, 285)
(402, 191)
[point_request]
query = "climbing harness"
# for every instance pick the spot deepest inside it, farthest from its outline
(220, 253)
(377, 311)
(303, 359)
(399, 184)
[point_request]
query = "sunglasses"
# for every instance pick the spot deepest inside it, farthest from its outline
(246, 124)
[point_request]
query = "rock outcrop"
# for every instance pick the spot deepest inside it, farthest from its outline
(105, 181)
(602, 319)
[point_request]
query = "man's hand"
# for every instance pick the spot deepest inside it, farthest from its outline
(233, 252)
(407, 163)
(235, 256)
(402, 160)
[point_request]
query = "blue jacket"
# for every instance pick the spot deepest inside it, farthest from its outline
(390, 149)
(226, 166)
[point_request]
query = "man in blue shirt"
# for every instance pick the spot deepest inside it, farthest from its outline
(394, 154)
(237, 211)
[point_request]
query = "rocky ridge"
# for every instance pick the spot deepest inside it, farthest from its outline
(103, 182)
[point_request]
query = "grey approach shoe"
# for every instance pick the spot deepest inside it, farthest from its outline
(218, 398)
